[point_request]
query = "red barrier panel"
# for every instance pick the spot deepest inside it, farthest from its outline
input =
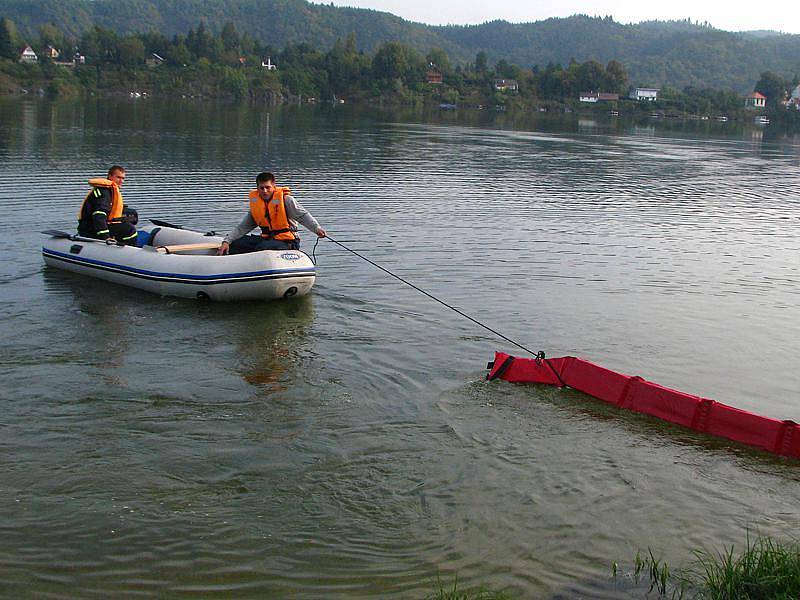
(516, 370)
(596, 381)
(640, 395)
(664, 403)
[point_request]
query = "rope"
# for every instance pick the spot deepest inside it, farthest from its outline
(314, 252)
(541, 357)
(442, 302)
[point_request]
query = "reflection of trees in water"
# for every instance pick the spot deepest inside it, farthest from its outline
(271, 340)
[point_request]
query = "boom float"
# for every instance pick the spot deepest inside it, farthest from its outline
(642, 396)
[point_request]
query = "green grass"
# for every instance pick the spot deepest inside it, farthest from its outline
(451, 592)
(764, 570)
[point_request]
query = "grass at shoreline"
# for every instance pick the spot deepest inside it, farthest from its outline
(446, 591)
(765, 570)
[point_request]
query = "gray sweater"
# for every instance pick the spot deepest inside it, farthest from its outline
(294, 211)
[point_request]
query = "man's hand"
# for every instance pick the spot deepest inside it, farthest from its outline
(223, 249)
(320, 232)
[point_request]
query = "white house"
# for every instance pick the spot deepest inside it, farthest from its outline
(755, 100)
(28, 56)
(267, 64)
(154, 60)
(506, 85)
(794, 99)
(598, 97)
(649, 94)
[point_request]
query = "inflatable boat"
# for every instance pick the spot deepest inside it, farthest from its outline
(642, 396)
(172, 261)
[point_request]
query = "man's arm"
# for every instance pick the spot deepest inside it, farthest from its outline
(296, 212)
(243, 228)
(100, 205)
(246, 226)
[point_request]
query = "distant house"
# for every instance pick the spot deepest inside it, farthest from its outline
(648, 94)
(79, 59)
(28, 56)
(51, 53)
(509, 85)
(242, 61)
(794, 99)
(597, 97)
(755, 100)
(153, 60)
(433, 75)
(267, 64)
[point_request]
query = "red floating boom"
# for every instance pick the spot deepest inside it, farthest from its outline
(640, 395)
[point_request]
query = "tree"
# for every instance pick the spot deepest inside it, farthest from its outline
(772, 86)
(344, 65)
(481, 62)
(204, 45)
(130, 51)
(230, 38)
(178, 53)
(439, 57)
(591, 76)
(390, 61)
(50, 35)
(8, 39)
(235, 83)
(617, 77)
(100, 45)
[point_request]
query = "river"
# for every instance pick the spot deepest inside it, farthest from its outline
(346, 444)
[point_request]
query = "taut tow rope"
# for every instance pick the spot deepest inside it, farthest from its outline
(539, 355)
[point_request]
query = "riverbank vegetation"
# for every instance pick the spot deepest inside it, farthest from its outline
(765, 569)
(447, 591)
(675, 53)
(240, 67)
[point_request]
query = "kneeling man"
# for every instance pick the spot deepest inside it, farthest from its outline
(103, 214)
(277, 213)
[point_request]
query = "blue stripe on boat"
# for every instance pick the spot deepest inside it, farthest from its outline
(182, 277)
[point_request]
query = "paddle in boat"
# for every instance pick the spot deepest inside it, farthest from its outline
(173, 261)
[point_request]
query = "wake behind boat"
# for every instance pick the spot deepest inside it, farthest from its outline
(179, 262)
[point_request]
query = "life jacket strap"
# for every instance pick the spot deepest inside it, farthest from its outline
(266, 232)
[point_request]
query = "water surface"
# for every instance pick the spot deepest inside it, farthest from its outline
(345, 444)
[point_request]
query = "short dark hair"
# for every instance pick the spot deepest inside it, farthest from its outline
(114, 169)
(265, 176)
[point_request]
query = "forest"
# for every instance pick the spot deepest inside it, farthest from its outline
(676, 54)
(238, 66)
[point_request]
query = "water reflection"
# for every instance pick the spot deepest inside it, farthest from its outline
(270, 340)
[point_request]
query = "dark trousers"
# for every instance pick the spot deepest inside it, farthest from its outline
(255, 243)
(122, 232)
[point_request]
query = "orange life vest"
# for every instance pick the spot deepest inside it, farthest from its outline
(115, 215)
(271, 215)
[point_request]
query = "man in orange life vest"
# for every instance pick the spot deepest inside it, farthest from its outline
(103, 215)
(276, 212)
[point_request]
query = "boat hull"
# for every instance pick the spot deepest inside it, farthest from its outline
(269, 274)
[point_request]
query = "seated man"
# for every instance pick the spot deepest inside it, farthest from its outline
(103, 214)
(277, 213)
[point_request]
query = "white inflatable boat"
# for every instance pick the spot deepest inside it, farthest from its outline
(184, 263)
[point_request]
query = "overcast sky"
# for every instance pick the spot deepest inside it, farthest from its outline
(729, 15)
